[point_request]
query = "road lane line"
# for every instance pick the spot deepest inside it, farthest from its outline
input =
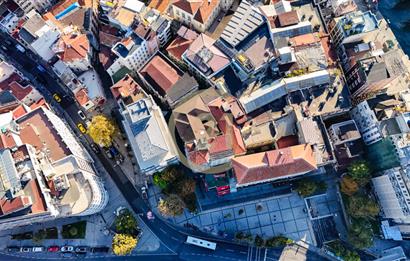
(229, 250)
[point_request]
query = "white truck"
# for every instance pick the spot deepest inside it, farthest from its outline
(20, 48)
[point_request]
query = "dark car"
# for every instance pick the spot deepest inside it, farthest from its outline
(108, 153)
(81, 249)
(95, 148)
(100, 249)
(13, 249)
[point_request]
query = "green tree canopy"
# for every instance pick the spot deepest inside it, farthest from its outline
(278, 241)
(123, 244)
(307, 187)
(360, 172)
(126, 223)
(360, 233)
(362, 206)
(259, 242)
(101, 130)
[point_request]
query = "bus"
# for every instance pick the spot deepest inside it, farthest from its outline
(200, 242)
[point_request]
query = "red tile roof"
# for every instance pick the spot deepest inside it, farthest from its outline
(19, 91)
(18, 203)
(127, 87)
(7, 141)
(19, 111)
(161, 72)
(73, 47)
(39, 104)
(160, 5)
(219, 145)
(200, 9)
(287, 141)
(199, 157)
(288, 18)
(189, 6)
(178, 46)
(275, 164)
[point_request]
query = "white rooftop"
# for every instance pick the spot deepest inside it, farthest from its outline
(134, 5)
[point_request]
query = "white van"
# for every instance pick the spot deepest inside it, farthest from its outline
(38, 249)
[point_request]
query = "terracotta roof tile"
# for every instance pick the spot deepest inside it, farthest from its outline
(7, 141)
(288, 18)
(127, 88)
(161, 73)
(189, 6)
(199, 157)
(275, 164)
(206, 10)
(73, 47)
(178, 46)
(160, 5)
(39, 104)
(19, 111)
(9, 206)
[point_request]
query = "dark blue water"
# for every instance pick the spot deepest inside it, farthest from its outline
(398, 12)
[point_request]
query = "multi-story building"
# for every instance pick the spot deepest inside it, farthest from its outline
(75, 51)
(10, 15)
(48, 174)
(39, 35)
(273, 165)
(38, 5)
(145, 126)
(204, 58)
(199, 14)
(342, 7)
(132, 52)
(352, 27)
(366, 122)
(167, 81)
(393, 193)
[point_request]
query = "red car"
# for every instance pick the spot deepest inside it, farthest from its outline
(53, 249)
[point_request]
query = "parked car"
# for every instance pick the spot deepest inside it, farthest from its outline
(11, 249)
(107, 152)
(100, 249)
(25, 249)
(82, 115)
(81, 249)
(39, 249)
(144, 192)
(53, 249)
(95, 148)
(81, 127)
(67, 249)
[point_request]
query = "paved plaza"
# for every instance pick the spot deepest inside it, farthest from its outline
(281, 215)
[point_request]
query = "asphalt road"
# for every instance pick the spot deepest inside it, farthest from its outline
(170, 236)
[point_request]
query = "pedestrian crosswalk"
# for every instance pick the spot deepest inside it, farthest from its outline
(256, 254)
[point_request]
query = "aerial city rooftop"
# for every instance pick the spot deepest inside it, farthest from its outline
(261, 123)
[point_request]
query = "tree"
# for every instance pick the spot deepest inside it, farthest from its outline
(362, 206)
(348, 186)
(39, 236)
(171, 206)
(278, 241)
(360, 233)
(123, 244)
(126, 223)
(159, 181)
(101, 130)
(341, 251)
(360, 172)
(305, 187)
(185, 187)
(259, 242)
(172, 174)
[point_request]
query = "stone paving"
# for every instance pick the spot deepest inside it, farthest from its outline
(281, 215)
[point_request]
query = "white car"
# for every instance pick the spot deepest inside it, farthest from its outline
(119, 210)
(38, 249)
(67, 249)
(82, 115)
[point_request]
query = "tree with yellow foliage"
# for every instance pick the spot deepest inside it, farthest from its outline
(102, 130)
(348, 186)
(123, 244)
